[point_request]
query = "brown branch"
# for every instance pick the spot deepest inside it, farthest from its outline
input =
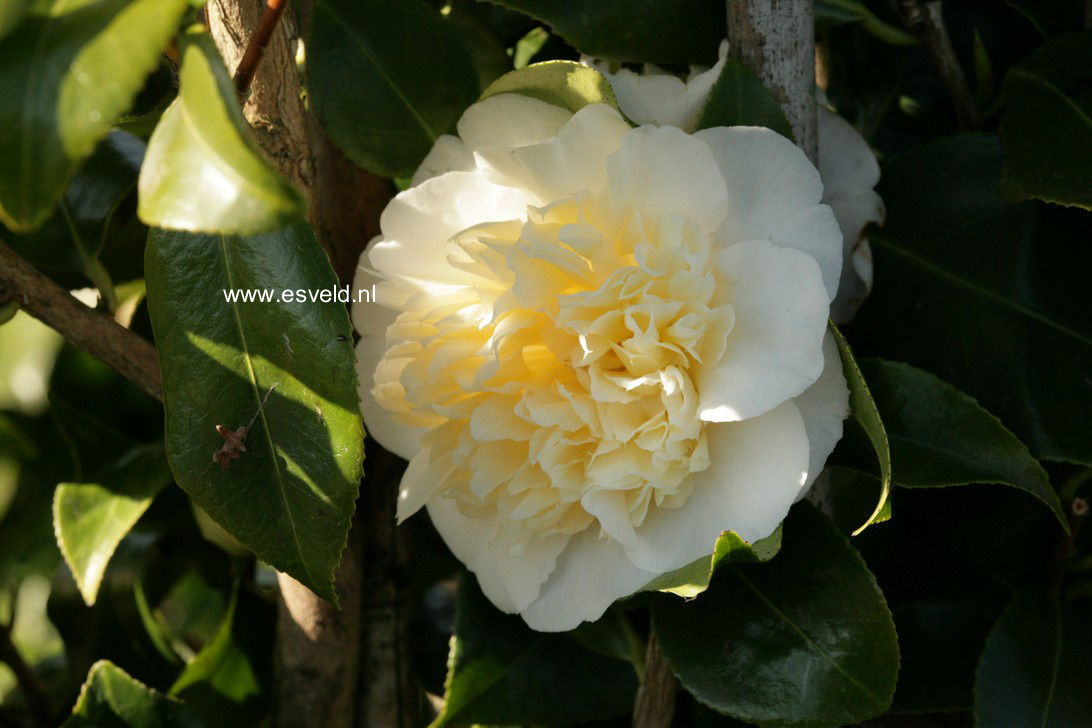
(248, 66)
(28, 682)
(926, 21)
(654, 706)
(93, 331)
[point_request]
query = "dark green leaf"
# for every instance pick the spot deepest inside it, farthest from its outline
(1050, 17)
(566, 84)
(11, 14)
(1046, 132)
(203, 172)
(985, 295)
(685, 31)
(502, 672)
(854, 493)
(940, 436)
(832, 13)
(693, 579)
(1036, 670)
(90, 519)
(863, 410)
(805, 639)
(387, 79)
(66, 74)
(112, 699)
(290, 496)
(738, 98)
(613, 635)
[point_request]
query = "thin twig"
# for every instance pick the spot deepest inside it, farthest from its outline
(248, 66)
(654, 706)
(93, 331)
(926, 21)
(29, 684)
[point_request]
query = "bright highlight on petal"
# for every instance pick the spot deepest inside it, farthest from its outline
(598, 336)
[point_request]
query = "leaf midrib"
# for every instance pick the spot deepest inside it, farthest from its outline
(975, 288)
(432, 135)
(808, 640)
(253, 379)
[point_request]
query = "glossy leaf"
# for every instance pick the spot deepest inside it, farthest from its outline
(693, 579)
(90, 519)
(203, 172)
(67, 73)
(685, 31)
(981, 293)
(110, 698)
(940, 436)
(863, 410)
(566, 84)
(290, 495)
(1035, 669)
(1046, 132)
(502, 672)
(738, 98)
(805, 639)
(387, 79)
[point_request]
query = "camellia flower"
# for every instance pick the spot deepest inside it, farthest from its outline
(846, 165)
(601, 346)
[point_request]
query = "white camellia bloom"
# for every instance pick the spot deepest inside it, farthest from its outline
(846, 165)
(601, 346)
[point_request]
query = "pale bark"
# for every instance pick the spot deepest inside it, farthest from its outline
(775, 38)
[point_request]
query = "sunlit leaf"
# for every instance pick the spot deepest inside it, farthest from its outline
(290, 495)
(66, 74)
(566, 84)
(693, 579)
(203, 172)
(112, 699)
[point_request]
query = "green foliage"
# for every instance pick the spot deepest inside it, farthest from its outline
(862, 408)
(981, 291)
(1035, 668)
(805, 639)
(290, 496)
(387, 79)
(832, 13)
(566, 84)
(111, 698)
(738, 98)
(940, 436)
(501, 672)
(66, 74)
(90, 519)
(693, 579)
(1046, 133)
(203, 172)
(686, 31)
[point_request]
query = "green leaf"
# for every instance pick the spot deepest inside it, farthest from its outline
(1052, 17)
(567, 84)
(805, 639)
(940, 436)
(387, 79)
(203, 172)
(692, 579)
(112, 699)
(862, 409)
(90, 519)
(502, 672)
(1035, 670)
(684, 31)
(290, 496)
(832, 13)
(11, 14)
(1046, 131)
(738, 98)
(67, 73)
(984, 294)
(854, 493)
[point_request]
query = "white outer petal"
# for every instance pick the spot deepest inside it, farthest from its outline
(774, 193)
(824, 407)
(774, 351)
(512, 583)
(661, 170)
(448, 154)
(591, 574)
(758, 467)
